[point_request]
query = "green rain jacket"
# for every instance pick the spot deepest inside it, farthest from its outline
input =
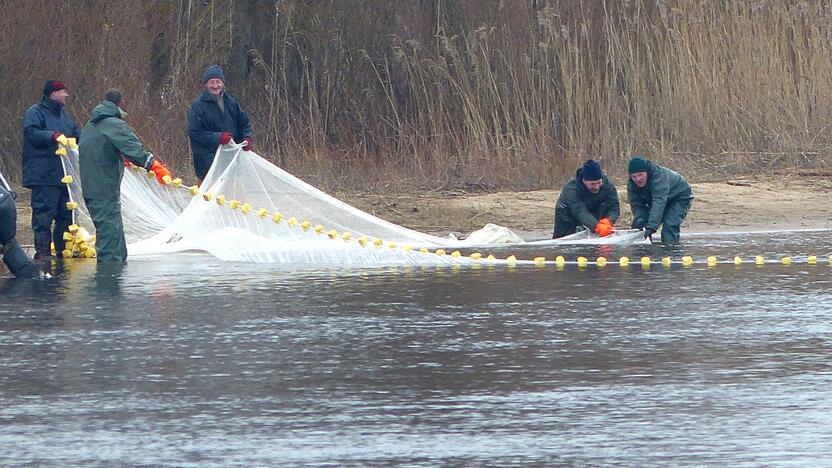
(576, 202)
(106, 142)
(648, 203)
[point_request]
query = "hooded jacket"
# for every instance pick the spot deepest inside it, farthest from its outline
(41, 166)
(577, 203)
(206, 122)
(106, 142)
(648, 203)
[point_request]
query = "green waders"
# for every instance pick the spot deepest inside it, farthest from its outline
(110, 245)
(674, 215)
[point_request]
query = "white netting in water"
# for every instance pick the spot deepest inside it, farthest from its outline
(248, 209)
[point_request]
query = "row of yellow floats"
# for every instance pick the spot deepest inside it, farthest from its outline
(77, 241)
(80, 243)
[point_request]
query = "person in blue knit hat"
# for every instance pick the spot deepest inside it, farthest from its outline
(589, 200)
(215, 119)
(658, 196)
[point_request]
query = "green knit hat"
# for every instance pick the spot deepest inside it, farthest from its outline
(638, 164)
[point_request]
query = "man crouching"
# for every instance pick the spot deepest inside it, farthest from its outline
(589, 200)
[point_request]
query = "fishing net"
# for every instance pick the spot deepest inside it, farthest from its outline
(250, 210)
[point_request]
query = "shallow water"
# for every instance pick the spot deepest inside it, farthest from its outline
(190, 361)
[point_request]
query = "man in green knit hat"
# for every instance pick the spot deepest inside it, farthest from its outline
(658, 196)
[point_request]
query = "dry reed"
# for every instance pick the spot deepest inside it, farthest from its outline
(441, 93)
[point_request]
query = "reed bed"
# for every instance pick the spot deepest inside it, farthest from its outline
(441, 93)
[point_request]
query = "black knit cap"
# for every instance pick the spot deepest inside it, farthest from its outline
(591, 170)
(114, 96)
(51, 86)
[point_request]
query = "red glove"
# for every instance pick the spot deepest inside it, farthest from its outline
(247, 144)
(225, 138)
(604, 227)
(161, 172)
(127, 163)
(55, 136)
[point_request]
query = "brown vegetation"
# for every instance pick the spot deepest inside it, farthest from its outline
(446, 93)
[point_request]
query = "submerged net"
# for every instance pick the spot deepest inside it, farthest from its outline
(250, 210)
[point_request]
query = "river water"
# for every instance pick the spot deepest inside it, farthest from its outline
(189, 361)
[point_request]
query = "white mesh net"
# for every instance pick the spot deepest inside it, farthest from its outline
(250, 210)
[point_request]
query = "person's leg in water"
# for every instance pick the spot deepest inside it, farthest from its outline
(45, 199)
(63, 219)
(13, 255)
(564, 225)
(110, 244)
(674, 216)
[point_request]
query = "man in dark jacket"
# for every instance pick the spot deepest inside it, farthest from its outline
(657, 196)
(13, 255)
(215, 119)
(43, 124)
(106, 142)
(589, 200)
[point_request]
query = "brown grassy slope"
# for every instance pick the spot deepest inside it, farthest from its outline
(446, 93)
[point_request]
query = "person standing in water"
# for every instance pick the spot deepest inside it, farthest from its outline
(43, 125)
(106, 142)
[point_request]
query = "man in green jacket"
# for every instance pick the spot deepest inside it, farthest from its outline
(589, 200)
(657, 196)
(106, 142)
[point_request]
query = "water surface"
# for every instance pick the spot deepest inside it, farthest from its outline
(189, 361)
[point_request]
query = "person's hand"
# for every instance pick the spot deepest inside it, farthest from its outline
(162, 172)
(604, 227)
(225, 138)
(247, 144)
(58, 137)
(648, 232)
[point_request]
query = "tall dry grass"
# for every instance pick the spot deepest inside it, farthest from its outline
(447, 93)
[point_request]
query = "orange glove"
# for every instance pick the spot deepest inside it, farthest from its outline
(161, 172)
(604, 227)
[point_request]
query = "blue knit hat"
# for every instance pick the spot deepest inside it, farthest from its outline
(638, 164)
(591, 170)
(214, 71)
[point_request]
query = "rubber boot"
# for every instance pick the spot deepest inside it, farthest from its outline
(18, 262)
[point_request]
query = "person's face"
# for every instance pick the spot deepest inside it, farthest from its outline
(639, 178)
(59, 96)
(593, 185)
(214, 86)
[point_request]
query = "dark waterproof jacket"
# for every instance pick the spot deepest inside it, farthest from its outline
(577, 203)
(106, 142)
(206, 122)
(648, 203)
(41, 166)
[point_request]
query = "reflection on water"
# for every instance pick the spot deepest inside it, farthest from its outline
(197, 362)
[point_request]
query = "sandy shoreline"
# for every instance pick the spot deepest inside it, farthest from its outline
(761, 203)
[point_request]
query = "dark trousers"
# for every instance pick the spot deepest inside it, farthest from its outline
(674, 214)
(50, 218)
(565, 224)
(110, 244)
